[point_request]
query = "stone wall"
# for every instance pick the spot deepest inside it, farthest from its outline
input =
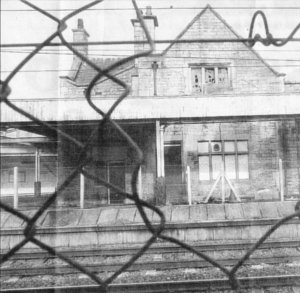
(267, 143)
(248, 72)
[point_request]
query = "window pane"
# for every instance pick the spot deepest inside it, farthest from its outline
(230, 170)
(216, 166)
(243, 167)
(242, 146)
(210, 75)
(203, 147)
(223, 75)
(229, 146)
(204, 168)
(196, 79)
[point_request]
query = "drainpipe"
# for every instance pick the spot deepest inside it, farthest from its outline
(154, 67)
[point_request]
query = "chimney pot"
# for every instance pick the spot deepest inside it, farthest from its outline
(148, 10)
(80, 24)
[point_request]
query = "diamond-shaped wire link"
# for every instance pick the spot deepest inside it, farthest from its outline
(83, 161)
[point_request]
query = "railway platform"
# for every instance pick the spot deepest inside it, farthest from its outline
(123, 225)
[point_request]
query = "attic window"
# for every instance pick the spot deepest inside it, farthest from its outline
(210, 75)
(223, 75)
(210, 78)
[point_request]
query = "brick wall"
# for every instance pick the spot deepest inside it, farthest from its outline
(289, 152)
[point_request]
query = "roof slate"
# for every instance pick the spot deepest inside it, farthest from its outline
(86, 73)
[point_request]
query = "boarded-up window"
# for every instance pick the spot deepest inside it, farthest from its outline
(216, 165)
(204, 168)
(243, 166)
(216, 156)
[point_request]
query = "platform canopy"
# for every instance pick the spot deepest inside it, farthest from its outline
(175, 107)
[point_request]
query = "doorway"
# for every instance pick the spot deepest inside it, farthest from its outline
(114, 173)
(174, 177)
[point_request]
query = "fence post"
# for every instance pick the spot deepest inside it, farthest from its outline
(162, 152)
(188, 181)
(140, 187)
(281, 180)
(37, 182)
(82, 186)
(158, 148)
(16, 195)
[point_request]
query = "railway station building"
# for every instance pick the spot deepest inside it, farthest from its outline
(211, 118)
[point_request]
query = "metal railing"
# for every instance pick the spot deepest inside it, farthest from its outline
(105, 119)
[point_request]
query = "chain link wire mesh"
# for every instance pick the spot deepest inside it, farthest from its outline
(156, 231)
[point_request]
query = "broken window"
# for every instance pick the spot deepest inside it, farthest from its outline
(209, 79)
(210, 75)
(196, 79)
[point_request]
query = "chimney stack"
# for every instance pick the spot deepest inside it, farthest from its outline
(139, 35)
(81, 36)
(148, 11)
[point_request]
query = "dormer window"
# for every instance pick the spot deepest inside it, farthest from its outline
(210, 78)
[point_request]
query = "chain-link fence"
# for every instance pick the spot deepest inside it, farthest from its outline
(104, 120)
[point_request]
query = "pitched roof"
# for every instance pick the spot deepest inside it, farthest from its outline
(209, 8)
(82, 74)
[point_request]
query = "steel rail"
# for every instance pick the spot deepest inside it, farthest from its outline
(174, 286)
(140, 266)
(159, 249)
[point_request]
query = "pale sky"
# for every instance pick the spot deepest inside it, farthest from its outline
(107, 22)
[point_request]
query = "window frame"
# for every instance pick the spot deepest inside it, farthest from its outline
(236, 153)
(202, 82)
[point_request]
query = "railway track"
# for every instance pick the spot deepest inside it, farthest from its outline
(161, 249)
(139, 266)
(289, 282)
(162, 258)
